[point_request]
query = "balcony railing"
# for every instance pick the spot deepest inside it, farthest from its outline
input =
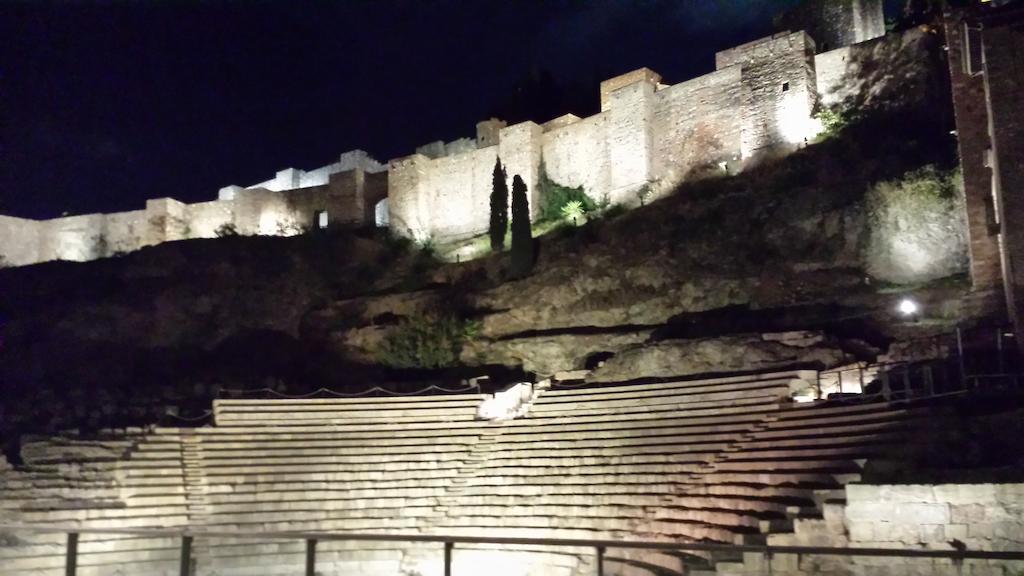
(449, 543)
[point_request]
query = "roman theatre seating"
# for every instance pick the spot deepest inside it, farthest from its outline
(724, 460)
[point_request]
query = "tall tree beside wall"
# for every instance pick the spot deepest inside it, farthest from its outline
(499, 207)
(522, 235)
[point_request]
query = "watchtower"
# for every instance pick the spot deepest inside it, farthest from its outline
(835, 23)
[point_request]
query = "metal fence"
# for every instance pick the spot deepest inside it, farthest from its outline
(448, 544)
(963, 361)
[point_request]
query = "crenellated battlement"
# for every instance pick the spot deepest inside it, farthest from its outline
(647, 138)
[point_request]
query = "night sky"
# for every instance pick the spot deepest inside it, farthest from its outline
(105, 105)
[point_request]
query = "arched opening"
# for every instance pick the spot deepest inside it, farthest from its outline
(381, 216)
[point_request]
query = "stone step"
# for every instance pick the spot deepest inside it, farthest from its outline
(625, 399)
(294, 403)
(681, 383)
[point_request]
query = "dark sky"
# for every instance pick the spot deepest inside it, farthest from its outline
(104, 105)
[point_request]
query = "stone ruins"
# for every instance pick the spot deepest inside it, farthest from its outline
(729, 460)
(648, 136)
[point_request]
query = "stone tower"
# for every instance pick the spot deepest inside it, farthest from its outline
(835, 23)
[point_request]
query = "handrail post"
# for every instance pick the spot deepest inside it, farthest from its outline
(960, 358)
(185, 567)
(886, 388)
(929, 383)
(311, 557)
(600, 561)
(448, 558)
(71, 560)
(999, 349)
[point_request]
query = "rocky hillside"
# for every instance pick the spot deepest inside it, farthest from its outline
(688, 283)
(786, 238)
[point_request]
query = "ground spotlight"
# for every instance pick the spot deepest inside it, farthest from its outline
(909, 308)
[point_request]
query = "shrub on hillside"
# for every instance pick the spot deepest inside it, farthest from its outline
(522, 232)
(226, 229)
(554, 197)
(432, 341)
(835, 119)
(915, 226)
(498, 225)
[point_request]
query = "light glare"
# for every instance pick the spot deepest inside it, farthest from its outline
(908, 307)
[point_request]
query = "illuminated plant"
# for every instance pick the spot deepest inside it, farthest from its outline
(573, 211)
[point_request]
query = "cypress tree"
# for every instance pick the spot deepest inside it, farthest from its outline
(499, 207)
(522, 235)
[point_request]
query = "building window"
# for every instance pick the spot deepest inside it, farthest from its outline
(785, 86)
(320, 219)
(973, 53)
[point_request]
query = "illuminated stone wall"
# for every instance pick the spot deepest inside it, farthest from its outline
(695, 125)
(19, 241)
(779, 92)
(648, 137)
(348, 196)
(76, 238)
(207, 218)
(125, 231)
(575, 153)
(988, 517)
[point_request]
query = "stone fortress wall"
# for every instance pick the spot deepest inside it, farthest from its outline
(285, 205)
(648, 137)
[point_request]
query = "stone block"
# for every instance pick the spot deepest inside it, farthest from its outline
(979, 531)
(968, 514)
(908, 493)
(1012, 532)
(903, 533)
(872, 511)
(861, 532)
(834, 515)
(921, 513)
(932, 534)
(965, 493)
(956, 532)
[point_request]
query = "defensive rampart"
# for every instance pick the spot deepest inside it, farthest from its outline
(648, 137)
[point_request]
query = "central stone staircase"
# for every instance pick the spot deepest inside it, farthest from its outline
(725, 460)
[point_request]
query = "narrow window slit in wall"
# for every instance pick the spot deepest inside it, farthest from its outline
(320, 219)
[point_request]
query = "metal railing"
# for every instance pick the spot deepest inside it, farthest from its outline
(600, 547)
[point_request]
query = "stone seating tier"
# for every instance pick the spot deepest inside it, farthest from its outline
(715, 459)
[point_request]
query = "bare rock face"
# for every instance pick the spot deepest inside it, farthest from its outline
(725, 354)
(546, 355)
(603, 293)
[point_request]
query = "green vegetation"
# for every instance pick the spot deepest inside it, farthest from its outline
(499, 207)
(916, 229)
(554, 197)
(226, 229)
(430, 341)
(573, 212)
(834, 120)
(522, 235)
